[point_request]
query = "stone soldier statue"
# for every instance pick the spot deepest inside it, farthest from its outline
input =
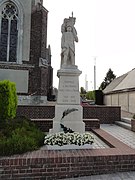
(69, 36)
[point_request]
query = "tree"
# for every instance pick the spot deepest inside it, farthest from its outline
(110, 76)
(83, 91)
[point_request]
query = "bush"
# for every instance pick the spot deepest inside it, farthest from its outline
(19, 136)
(8, 100)
(90, 95)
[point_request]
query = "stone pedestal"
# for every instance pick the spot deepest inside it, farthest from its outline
(68, 100)
(69, 146)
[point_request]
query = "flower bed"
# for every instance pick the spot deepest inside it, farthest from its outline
(62, 139)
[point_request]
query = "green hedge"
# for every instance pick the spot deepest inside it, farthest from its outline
(19, 136)
(8, 100)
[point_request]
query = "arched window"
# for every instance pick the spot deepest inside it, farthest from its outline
(8, 32)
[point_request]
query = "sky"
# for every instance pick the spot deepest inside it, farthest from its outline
(106, 32)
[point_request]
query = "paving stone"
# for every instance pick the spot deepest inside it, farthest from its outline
(124, 135)
(114, 176)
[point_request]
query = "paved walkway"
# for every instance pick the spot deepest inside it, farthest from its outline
(115, 176)
(124, 135)
(127, 137)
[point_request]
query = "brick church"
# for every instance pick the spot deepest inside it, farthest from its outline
(24, 56)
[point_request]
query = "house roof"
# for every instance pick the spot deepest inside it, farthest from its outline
(122, 83)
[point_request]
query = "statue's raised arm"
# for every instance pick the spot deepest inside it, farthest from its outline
(69, 36)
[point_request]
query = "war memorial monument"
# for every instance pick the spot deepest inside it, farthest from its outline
(68, 110)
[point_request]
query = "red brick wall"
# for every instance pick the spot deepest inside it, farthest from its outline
(44, 125)
(92, 116)
(36, 112)
(63, 167)
(47, 124)
(106, 114)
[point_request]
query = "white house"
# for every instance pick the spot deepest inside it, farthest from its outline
(121, 92)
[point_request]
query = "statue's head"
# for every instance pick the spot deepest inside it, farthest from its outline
(72, 20)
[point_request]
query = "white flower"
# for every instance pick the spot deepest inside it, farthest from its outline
(62, 138)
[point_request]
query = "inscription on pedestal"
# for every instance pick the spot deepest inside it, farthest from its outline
(68, 91)
(69, 98)
(69, 85)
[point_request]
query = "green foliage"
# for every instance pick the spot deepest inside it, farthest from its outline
(134, 116)
(90, 95)
(82, 93)
(8, 100)
(110, 76)
(82, 90)
(18, 136)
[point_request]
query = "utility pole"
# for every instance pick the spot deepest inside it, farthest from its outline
(95, 73)
(86, 83)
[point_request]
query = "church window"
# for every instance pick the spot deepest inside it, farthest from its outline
(8, 33)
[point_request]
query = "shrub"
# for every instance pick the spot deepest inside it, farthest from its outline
(20, 135)
(17, 143)
(90, 95)
(8, 100)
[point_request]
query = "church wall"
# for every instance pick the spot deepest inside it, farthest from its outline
(26, 29)
(17, 72)
(50, 82)
(32, 76)
(20, 77)
(24, 25)
(38, 81)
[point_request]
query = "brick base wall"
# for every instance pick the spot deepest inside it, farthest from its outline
(91, 124)
(46, 124)
(63, 167)
(93, 115)
(48, 165)
(36, 112)
(106, 114)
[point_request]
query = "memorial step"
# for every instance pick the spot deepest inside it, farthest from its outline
(126, 120)
(123, 124)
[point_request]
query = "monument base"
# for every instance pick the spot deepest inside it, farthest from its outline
(72, 120)
(66, 147)
(68, 110)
